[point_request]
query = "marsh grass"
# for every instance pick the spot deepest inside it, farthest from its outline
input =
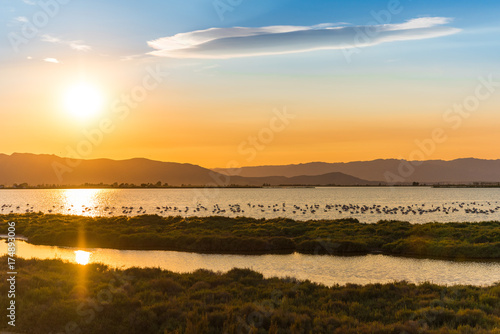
(243, 235)
(53, 295)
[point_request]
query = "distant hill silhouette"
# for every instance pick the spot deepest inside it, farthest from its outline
(456, 171)
(50, 169)
(335, 178)
(39, 169)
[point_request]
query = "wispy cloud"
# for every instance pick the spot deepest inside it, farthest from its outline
(219, 43)
(51, 60)
(75, 45)
(21, 19)
(132, 57)
(419, 23)
(29, 2)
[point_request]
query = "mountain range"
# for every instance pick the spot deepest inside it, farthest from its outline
(34, 169)
(466, 170)
(46, 169)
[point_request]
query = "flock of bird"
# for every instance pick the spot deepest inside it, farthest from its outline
(283, 209)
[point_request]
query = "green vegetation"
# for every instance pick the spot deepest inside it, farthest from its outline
(57, 297)
(247, 235)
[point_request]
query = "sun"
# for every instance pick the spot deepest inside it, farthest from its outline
(82, 257)
(83, 101)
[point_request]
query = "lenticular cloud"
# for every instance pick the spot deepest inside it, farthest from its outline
(219, 43)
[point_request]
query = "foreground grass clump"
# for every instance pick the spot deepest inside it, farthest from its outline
(57, 297)
(248, 235)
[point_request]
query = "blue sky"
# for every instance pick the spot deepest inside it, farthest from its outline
(124, 27)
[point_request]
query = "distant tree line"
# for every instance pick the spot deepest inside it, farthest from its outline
(114, 185)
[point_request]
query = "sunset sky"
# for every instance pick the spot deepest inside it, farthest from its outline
(208, 82)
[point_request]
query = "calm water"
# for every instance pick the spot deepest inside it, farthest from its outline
(371, 204)
(414, 204)
(325, 269)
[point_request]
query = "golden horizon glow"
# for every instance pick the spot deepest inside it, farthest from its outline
(83, 101)
(82, 257)
(79, 200)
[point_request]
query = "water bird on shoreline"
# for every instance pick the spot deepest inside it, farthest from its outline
(309, 210)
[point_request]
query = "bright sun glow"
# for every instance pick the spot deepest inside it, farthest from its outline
(82, 257)
(83, 101)
(83, 201)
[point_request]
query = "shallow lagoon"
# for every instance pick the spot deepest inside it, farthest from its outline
(368, 204)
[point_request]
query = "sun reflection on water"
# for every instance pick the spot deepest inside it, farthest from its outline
(81, 201)
(82, 257)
